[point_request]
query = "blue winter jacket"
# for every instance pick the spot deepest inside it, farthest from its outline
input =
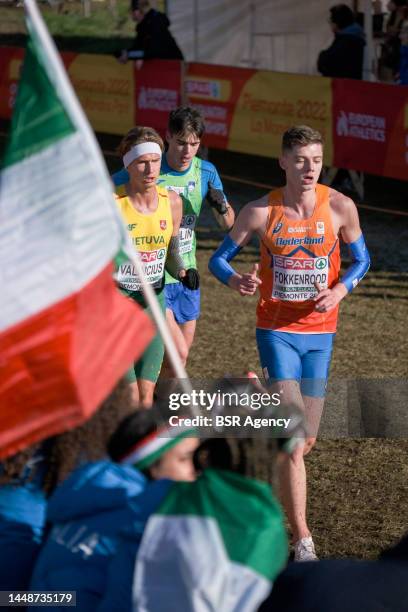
(22, 518)
(86, 514)
(119, 584)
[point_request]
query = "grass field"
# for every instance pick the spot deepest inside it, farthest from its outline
(103, 32)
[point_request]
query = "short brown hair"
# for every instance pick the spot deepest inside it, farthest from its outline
(136, 136)
(186, 120)
(300, 135)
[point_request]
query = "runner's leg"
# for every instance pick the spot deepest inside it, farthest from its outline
(282, 368)
(188, 331)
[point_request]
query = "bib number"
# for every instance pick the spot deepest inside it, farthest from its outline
(153, 268)
(294, 278)
(186, 233)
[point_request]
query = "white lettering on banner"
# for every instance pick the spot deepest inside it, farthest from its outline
(220, 129)
(210, 111)
(294, 278)
(204, 89)
(153, 268)
(361, 126)
(157, 99)
(215, 117)
(186, 233)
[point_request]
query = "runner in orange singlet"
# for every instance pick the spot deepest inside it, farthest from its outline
(300, 290)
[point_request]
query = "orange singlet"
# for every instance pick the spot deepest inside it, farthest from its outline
(295, 255)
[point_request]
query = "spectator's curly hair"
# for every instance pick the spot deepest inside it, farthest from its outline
(87, 442)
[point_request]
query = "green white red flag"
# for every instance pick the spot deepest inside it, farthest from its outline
(66, 333)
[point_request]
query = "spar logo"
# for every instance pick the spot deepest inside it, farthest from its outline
(149, 256)
(361, 126)
(203, 89)
(291, 263)
(188, 221)
(304, 263)
(321, 263)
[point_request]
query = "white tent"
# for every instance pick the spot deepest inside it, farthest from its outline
(283, 35)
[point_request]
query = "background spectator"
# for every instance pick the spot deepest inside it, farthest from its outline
(153, 37)
(390, 53)
(403, 67)
(344, 57)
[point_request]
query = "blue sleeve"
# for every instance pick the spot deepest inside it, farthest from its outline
(121, 177)
(210, 176)
(360, 258)
(219, 262)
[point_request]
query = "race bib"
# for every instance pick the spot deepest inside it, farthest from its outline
(186, 233)
(153, 268)
(294, 278)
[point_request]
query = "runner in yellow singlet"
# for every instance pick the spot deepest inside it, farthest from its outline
(152, 215)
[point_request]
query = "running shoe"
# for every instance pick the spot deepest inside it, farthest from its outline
(305, 550)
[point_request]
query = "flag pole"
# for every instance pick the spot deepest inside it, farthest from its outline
(62, 84)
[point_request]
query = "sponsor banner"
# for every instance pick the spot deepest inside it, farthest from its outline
(104, 87)
(365, 125)
(370, 127)
(270, 102)
(105, 90)
(157, 92)
(214, 90)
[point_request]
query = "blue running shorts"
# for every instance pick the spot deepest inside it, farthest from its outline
(183, 302)
(302, 357)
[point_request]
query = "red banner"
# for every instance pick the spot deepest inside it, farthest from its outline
(370, 127)
(158, 89)
(365, 125)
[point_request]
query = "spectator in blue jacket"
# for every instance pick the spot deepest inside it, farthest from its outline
(344, 57)
(89, 510)
(28, 478)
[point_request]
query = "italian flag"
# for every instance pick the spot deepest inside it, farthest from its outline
(216, 544)
(66, 333)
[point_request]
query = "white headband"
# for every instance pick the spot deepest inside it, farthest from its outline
(139, 150)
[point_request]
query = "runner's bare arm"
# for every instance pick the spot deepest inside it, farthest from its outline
(252, 219)
(347, 221)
